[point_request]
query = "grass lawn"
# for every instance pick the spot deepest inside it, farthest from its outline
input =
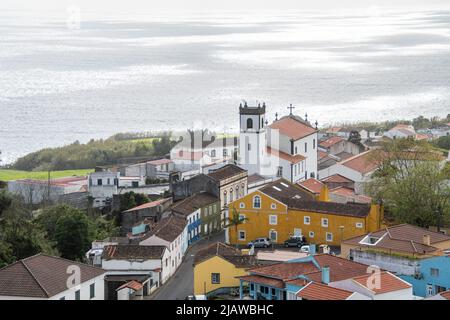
(7, 175)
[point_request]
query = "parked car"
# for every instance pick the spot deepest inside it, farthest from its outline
(295, 242)
(196, 297)
(305, 249)
(260, 243)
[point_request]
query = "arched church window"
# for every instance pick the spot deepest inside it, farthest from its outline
(249, 123)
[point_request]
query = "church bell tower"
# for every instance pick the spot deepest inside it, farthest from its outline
(252, 138)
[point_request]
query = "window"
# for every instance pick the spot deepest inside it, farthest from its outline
(273, 219)
(241, 235)
(279, 171)
(224, 197)
(242, 205)
(306, 146)
(77, 295)
(307, 220)
(273, 206)
(249, 123)
(99, 182)
(231, 195)
(257, 202)
(359, 225)
(297, 232)
(225, 152)
(249, 147)
(434, 272)
(296, 150)
(252, 286)
(242, 218)
(215, 278)
(92, 291)
(213, 153)
(324, 222)
(329, 236)
(262, 122)
(311, 234)
(273, 291)
(314, 144)
(109, 181)
(273, 235)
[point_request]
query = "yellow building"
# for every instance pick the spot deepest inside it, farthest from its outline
(281, 210)
(216, 268)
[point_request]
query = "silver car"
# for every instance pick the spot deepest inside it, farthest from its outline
(260, 243)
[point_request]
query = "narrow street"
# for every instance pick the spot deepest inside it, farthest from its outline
(182, 282)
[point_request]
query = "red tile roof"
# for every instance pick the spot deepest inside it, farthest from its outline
(312, 185)
(293, 127)
(41, 276)
(285, 271)
(319, 291)
(402, 237)
(340, 268)
(330, 142)
(336, 178)
(285, 156)
(264, 281)
(388, 283)
(148, 205)
(132, 285)
(350, 193)
(321, 154)
(363, 162)
(445, 295)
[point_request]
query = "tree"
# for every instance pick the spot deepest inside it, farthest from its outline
(72, 235)
(6, 254)
(412, 183)
(5, 201)
(72, 230)
(355, 138)
(234, 221)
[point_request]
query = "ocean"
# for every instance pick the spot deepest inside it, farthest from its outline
(61, 82)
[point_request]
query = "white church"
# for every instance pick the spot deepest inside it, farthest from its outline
(285, 149)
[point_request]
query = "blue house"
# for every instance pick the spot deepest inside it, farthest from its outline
(281, 281)
(433, 276)
(197, 210)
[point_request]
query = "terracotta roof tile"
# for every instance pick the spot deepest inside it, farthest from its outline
(285, 271)
(285, 156)
(159, 162)
(388, 283)
(276, 283)
(194, 202)
(148, 205)
(445, 294)
(41, 276)
(330, 142)
(131, 285)
(167, 228)
(293, 127)
(336, 178)
(228, 253)
(132, 251)
(312, 185)
(404, 238)
(342, 209)
(340, 268)
(363, 162)
(319, 291)
(227, 171)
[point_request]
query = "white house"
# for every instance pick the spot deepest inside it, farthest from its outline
(43, 277)
(401, 131)
(102, 186)
(358, 168)
(172, 233)
(147, 265)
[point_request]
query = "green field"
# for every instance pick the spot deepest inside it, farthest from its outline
(7, 175)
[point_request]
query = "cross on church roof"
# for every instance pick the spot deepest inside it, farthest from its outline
(291, 107)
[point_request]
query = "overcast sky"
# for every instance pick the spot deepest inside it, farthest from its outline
(149, 6)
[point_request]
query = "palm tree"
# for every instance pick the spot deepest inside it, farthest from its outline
(234, 221)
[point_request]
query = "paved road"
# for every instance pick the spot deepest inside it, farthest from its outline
(182, 282)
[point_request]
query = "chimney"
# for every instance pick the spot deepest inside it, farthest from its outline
(325, 274)
(426, 239)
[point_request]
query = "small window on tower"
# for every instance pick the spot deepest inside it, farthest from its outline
(249, 123)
